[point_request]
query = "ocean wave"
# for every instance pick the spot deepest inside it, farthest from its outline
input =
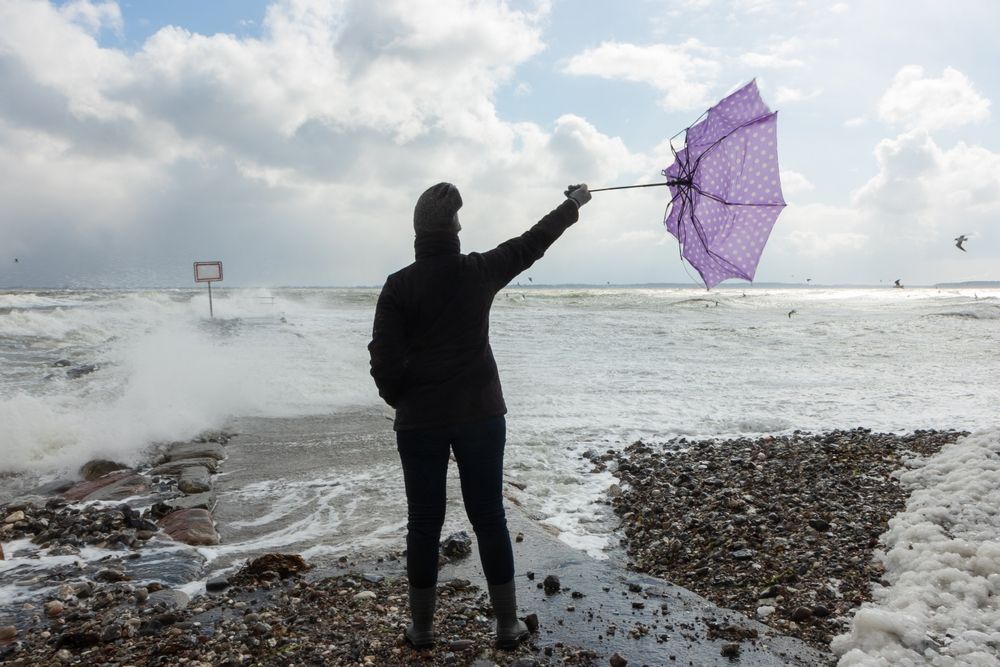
(972, 312)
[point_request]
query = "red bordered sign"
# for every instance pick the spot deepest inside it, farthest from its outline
(207, 272)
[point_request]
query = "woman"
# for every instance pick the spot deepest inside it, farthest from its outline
(432, 362)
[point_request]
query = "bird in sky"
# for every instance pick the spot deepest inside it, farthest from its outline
(897, 283)
(16, 260)
(959, 240)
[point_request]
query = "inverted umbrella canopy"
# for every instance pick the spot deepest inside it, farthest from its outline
(725, 189)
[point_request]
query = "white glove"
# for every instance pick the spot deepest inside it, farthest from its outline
(578, 193)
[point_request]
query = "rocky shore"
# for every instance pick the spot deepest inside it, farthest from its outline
(782, 529)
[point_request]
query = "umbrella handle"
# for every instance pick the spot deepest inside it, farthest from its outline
(645, 185)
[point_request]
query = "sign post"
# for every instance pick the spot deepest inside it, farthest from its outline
(208, 272)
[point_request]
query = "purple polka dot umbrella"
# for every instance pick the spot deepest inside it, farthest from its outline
(725, 189)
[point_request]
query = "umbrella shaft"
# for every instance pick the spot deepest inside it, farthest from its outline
(678, 181)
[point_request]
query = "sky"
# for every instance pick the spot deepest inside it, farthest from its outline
(290, 139)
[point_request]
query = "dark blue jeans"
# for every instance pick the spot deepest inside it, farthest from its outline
(478, 448)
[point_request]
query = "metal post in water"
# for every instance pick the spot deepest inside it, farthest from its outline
(211, 312)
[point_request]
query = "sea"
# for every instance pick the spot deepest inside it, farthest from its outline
(313, 469)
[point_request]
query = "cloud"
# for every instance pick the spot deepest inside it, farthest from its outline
(857, 121)
(684, 73)
(93, 17)
(792, 182)
(816, 231)
(917, 101)
(786, 94)
(294, 156)
(775, 56)
(921, 189)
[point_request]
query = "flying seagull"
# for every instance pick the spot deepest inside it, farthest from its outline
(897, 283)
(959, 240)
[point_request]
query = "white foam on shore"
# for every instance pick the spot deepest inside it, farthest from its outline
(942, 602)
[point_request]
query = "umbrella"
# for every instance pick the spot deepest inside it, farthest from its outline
(724, 186)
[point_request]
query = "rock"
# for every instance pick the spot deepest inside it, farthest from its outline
(819, 611)
(194, 526)
(372, 578)
(84, 489)
(457, 545)
(217, 584)
(617, 660)
(174, 468)
(14, 517)
(461, 644)
(194, 480)
(168, 599)
(364, 596)
(120, 489)
(730, 650)
(109, 575)
(97, 468)
(531, 620)
(80, 371)
(7, 633)
(284, 565)
(2, 557)
(801, 614)
(519, 538)
(205, 500)
(742, 554)
(194, 450)
(551, 584)
(819, 524)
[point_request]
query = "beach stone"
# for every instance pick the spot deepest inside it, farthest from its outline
(194, 450)
(98, 468)
(551, 584)
(84, 489)
(283, 565)
(819, 524)
(457, 545)
(531, 620)
(730, 650)
(174, 468)
(2, 556)
(206, 500)
(193, 526)
(194, 480)
(168, 599)
(364, 596)
(52, 488)
(80, 371)
(7, 633)
(801, 614)
(742, 554)
(217, 584)
(125, 487)
(617, 660)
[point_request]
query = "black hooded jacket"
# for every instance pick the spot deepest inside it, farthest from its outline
(430, 349)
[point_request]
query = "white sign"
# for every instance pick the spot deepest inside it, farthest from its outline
(207, 272)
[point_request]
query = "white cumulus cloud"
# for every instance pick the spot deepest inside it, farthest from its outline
(915, 100)
(684, 73)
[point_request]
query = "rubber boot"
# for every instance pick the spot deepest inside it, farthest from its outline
(420, 633)
(510, 630)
